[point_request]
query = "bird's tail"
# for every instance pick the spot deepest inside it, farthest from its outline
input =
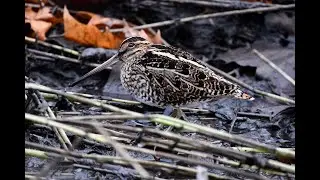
(241, 95)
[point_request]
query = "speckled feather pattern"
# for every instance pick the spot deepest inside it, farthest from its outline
(160, 75)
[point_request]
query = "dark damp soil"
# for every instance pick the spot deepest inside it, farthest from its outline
(223, 42)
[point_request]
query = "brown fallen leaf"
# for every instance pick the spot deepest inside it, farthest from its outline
(157, 39)
(40, 27)
(29, 13)
(88, 35)
(45, 15)
(129, 32)
(84, 16)
(98, 20)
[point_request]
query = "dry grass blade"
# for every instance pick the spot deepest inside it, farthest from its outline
(206, 16)
(102, 139)
(60, 57)
(224, 3)
(32, 40)
(143, 173)
(193, 147)
(45, 151)
(166, 120)
(271, 64)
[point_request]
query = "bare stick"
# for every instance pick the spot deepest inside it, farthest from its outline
(171, 122)
(224, 3)
(143, 173)
(40, 100)
(254, 115)
(61, 48)
(243, 157)
(142, 150)
(102, 99)
(61, 131)
(274, 66)
(109, 159)
(152, 31)
(206, 16)
(68, 59)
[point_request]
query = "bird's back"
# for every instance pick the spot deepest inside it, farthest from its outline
(169, 76)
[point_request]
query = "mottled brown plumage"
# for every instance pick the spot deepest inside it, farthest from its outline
(162, 76)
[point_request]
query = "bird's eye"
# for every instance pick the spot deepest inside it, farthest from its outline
(130, 45)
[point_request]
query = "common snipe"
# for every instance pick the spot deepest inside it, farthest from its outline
(164, 76)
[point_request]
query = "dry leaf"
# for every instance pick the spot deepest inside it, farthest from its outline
(88, 34)
(157, 39)
(45, 15)
(84, 16)
(143, 34)
(98, 20)
(129, 32)
(29, 13)
(40, 27)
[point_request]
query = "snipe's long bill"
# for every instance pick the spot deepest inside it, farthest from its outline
(96, 70)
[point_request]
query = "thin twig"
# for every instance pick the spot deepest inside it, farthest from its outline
(200, 144)
(43, 58)
(61, 131)
(111, 159)
(143, 173)
(243, 157)
(171, 122)
(152, 31)
(32, 177)
(61, 48)
(168, 155)
(68, 59)
(274, 66)
(103, 140)
(232, 124)
(104, 117)
(104, 99)
(40, 100)
(206, 16)
(254, 115)
(246, 149)
(91, 168)
(224, 3)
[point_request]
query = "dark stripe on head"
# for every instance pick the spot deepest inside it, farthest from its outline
(133, 39)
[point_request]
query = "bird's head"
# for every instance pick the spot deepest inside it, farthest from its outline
(132, 47)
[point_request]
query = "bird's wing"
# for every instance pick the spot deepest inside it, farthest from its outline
(183, 73)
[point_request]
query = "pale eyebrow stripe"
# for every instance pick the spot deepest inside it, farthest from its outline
(175, 58)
